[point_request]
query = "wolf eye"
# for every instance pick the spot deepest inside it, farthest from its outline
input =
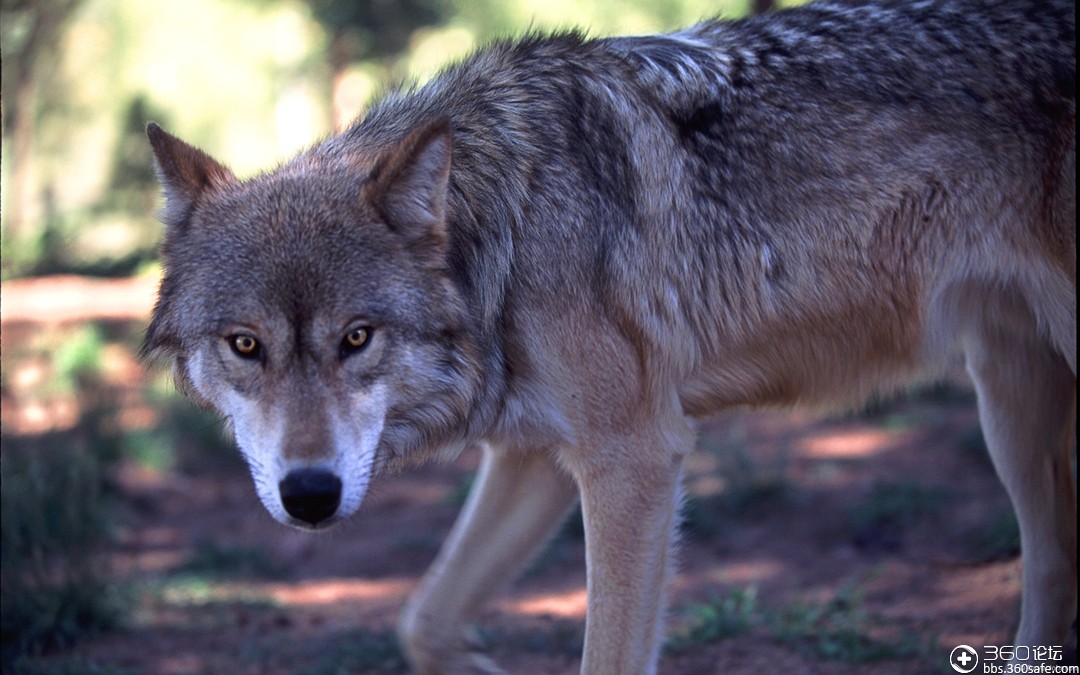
(355, 340)
(245, 346)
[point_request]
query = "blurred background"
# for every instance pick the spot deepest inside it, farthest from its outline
(251, 81)
(132, 541)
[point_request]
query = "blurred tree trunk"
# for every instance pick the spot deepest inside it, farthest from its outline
(31, 30)
(340, 57)
(762, 6)
(376, 31)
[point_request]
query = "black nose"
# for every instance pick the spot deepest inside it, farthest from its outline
(310, 495)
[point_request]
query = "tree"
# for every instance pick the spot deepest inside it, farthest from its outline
(30, 30)
(372, 30)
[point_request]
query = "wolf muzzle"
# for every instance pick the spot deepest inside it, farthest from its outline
(310, 495)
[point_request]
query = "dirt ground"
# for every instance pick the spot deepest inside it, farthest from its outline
(845, 543)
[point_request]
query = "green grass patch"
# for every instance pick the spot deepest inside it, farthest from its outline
(708, 622)
(839, 629)
(193, 604)
(836, 629)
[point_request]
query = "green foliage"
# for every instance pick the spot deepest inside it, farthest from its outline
(706, 517)
(835, 629)
(839, 629)
(196, 440)
(148, 448)
(206, 595)
(53, 521)
(131, 184)
(259, 85)
(77, 358)
(890, 508)
(716, 620)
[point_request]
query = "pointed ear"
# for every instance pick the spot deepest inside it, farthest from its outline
(408, 186)
(185, 172)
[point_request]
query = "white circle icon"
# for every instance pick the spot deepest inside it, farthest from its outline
(963, 659)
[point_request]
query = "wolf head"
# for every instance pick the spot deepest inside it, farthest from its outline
(313, 307)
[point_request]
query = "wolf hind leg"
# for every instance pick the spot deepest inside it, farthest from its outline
(1027, 406)
(515, 506)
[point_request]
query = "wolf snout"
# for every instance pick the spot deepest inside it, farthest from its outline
(310, 495)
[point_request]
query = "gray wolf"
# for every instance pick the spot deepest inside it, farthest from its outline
(565, 249)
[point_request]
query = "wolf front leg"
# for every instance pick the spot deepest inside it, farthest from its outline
(517, 503)
(629, 507)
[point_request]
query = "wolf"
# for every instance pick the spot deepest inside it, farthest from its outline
(566, 249)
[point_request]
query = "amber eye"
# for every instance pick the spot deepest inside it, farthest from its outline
(355, 340)
(245, 346)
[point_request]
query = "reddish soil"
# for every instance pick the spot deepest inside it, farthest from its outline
(794, 521)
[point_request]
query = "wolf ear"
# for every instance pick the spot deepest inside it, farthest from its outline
(408, 187)
(184, 172)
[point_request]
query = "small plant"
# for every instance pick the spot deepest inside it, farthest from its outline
(53, 522)
(839, 629)
(78, 358)
(706, 517)
(890, 508)
(719, 619)
(186, 439)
